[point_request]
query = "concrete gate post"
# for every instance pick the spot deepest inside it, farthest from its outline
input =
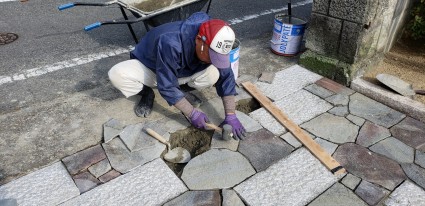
(346, 37)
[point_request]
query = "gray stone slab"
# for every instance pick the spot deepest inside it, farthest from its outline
(246, 78)
(250, 124)
(356, 120)
(303, 182)
(175, 122)
(358, 161)
(263, 148)
(109, 176)
(211, 197)
(151, 184)
(291, 139)
(415, 173)
(370, 193)
(85, 181)
(123, 160)
(217, 142)
(84, 159)
(333, 128)
(111, 129)
(267, 77)
(318, 90)
(338, 195)
(299, 107)
(396, 84)
(242, 94)
(326, 145)
(406, 194)
(338, 100)
(334, 87)
(100, 168)
(403, 104)
(373, 111)
(9, 202)
(394, 149)
(371, 133)
(341, 111)
(135, 138)
(214, 109)
(230, 198)
(420, 158)
(351, 181)
(216, 169)
(287, 82)
(51, 185)
(411, 132)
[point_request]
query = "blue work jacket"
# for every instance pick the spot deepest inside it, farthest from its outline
(169, 51)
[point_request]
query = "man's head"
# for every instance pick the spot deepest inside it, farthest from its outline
(214, 43)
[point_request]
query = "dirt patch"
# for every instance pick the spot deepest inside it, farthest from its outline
(406, 60)
(152, 5)
(199, 141)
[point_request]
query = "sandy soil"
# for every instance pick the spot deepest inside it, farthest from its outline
(406, 60)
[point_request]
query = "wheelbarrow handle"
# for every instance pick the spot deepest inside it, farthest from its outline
(66, 6)
(93, 26)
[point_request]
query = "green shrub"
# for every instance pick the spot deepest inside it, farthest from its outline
(416, 26)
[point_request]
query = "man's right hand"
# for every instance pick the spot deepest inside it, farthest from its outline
(198, 119)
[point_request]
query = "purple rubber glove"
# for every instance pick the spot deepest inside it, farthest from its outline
(237, 128)
(198, 119)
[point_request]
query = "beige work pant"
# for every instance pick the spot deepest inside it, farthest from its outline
(130, 76)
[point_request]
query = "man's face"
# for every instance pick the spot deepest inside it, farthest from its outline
(202, 51)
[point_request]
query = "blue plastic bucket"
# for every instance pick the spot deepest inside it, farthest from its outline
(234, 58)
(288, 33)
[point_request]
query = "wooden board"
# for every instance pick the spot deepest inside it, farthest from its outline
(308, 142)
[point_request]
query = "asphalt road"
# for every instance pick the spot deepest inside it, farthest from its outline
(54, 58)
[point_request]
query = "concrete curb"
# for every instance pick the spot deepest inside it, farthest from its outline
(403, 104)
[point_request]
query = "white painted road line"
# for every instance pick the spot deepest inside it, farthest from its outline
(92, 57)
(6, 0)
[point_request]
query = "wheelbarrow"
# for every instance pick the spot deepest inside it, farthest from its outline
(151, 12)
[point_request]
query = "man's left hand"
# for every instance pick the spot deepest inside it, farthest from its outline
(237, 128)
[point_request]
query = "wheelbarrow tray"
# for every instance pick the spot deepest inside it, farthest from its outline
(157, 12)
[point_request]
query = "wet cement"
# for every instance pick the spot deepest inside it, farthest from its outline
(198, 141)
(153, 5)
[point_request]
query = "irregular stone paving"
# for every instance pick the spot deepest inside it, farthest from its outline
(333, 128)
(411, 132)
(326, 145)
(293, 79)
(111, 129)
(395, 150)
(415, 173)
(135, 138)
(136, 188)
(299, 107)
(374, 111)
(51, 185)
(109, 176)
(263, 148)
(407, 194)
(338, 195)
(100, 168)
(369, 166)
(267, 77)
(123, 160)
(334, 87)
(209, 197)
(230, 198)
(84, 159)
(291, 139)
(216, 168)
(319, 91)
(420, 158)
(295, 180)
(351, 181)
(341, 111)
(85, 181)
(356, 120)
(371, 133)
(217, 142)
(338, 100)
(370, 193)
(249, 124)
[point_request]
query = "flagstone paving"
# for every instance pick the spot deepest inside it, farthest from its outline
(382, 150)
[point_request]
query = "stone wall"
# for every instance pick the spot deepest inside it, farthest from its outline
(346, 37)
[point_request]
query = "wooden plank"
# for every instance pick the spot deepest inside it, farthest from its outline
(308, 142)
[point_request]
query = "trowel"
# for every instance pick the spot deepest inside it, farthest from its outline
(398, 85)
(176, 155)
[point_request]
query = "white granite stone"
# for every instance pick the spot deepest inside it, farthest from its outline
(51, 185)
(295, 180)
(288, 81)
(406, 194)
(151, 184)
(299, 107)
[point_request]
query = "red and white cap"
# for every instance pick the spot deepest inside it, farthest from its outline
(220, 38)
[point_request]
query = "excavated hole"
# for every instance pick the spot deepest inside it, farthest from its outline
(199, 141)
